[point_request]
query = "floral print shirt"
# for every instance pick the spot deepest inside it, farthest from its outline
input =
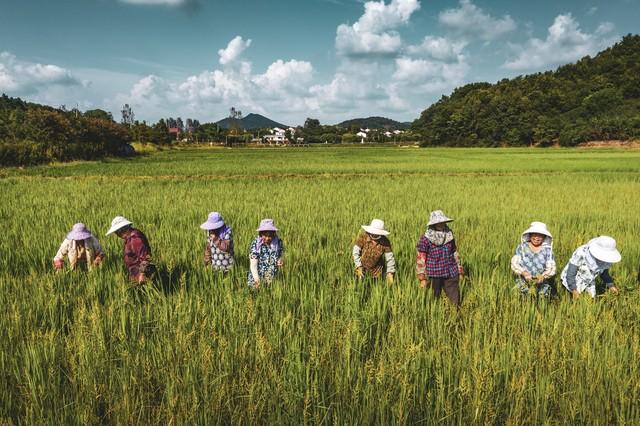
(267, 257)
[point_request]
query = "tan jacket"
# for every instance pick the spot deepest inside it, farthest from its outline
(91, 251)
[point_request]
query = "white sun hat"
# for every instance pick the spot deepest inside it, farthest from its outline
(604, 249)
(118, 222)
(376, 227)
(438, 216)
(538, 228)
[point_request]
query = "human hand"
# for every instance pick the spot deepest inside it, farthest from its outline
(141, 278)
(58, 264)
(359, 272)
(424, 284)
(575, 294)
(614, 290)
(461, 271)
(97, 261)
(527, 276)
(256, 284)
(540, 279)
(280, 263)
(389, 278)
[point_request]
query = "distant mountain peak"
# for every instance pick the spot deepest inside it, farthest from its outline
(252, 121)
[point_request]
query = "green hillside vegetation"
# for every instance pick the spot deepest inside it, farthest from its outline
(594, 99)
(374, 123)
(32, 134)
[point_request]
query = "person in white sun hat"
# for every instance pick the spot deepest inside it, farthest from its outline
(372, 253)
(533, 261)
(587, 263)
(438, 261)
(137, 252)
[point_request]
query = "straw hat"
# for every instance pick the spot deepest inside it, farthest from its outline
(267, 225)
(214, 221)
(438, 216)
(118, 222)
(78, 232)
(537, 228)
(376, 227)
(604, 249)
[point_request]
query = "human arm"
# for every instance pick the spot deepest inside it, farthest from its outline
(421, 261)
(516, 264)
(58, 260)
(253, 267)
(550, 267)
(99, 252)
(606, 278)
(207, 253)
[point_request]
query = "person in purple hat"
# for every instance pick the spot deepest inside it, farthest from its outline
(81, 247)
(265, 255)
(218, 251)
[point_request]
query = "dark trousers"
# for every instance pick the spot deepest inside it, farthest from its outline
(450, 286)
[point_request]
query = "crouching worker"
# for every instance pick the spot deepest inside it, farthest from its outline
(533, 261)
(372, 254)
(438, 259)
(137, 252)
(218, 251)
(588, 262)
(81, 247)
(265, 255)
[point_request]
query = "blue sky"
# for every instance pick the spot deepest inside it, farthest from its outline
(327, 59)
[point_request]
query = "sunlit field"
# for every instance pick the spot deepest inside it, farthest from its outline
(316, 346)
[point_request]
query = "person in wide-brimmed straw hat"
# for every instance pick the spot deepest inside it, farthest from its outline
(533, 261)
(218, 251)
(372, 253)
(137, 252)
(438, 261)
(265, 255)
(81, 247)
(587, 263)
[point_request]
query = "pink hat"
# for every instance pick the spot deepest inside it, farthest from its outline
(214, 221)
(267, 225)
(78, 232)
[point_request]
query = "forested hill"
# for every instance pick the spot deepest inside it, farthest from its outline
(594, 99)
(374, 123)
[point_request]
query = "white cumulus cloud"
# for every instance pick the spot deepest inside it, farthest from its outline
(471, 21)
(233, 50)
(565, 42)
(374, 33)
(438, 48)
(21, 78)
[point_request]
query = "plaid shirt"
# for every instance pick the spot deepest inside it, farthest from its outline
(436, 261)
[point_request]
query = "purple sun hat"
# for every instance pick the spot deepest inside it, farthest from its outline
(267, 225)
(78, 232)
(214, 221)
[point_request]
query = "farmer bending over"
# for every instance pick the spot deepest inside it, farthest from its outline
(372, 254)
(137, 252)
(81, 247)
(533, 261)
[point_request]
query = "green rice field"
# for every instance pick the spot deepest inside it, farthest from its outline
(317, 347)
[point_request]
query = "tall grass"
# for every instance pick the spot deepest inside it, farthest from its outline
(317, 347)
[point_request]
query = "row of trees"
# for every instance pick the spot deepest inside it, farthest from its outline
(32, 134)
(595, 99)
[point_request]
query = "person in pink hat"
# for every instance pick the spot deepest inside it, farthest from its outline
(81, 247)
(265, 255)
(372, 253)
(218, 251)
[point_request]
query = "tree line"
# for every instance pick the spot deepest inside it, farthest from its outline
(594, 99)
